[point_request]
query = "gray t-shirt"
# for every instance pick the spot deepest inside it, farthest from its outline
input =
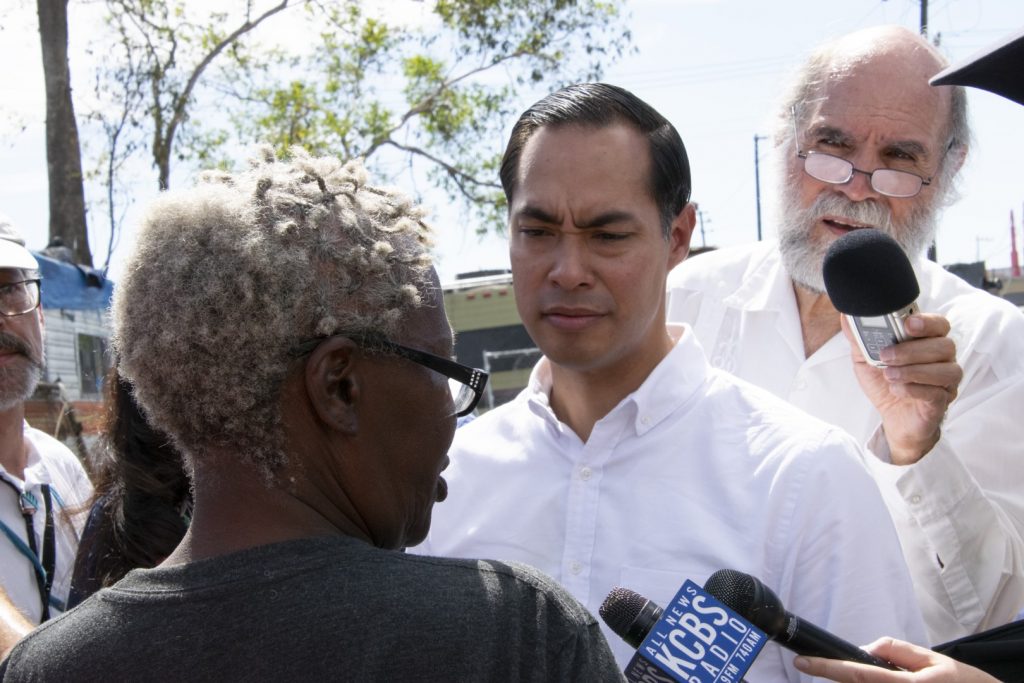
(331, 608)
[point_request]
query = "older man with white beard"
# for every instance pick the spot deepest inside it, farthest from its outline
(942, 418)
(44, 486)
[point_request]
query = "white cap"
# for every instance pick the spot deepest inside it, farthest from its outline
(13, 253)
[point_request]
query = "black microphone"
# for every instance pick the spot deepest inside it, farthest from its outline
(867, 272)
(756, 603)
(869, 278)
(629, 615)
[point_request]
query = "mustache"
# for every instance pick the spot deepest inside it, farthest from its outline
(913, 232)
(867, 211)
(9, 342)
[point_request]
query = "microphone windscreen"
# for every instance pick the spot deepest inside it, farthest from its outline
(629, 614)
(733, 589)
(749, 598)
(867, 273)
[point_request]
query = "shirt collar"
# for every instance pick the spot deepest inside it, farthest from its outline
(35, 472)
(765, 285)
(674, 381)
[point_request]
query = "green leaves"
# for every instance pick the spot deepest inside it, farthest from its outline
(429, 86)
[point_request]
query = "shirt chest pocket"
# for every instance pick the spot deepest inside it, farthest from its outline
(661, 586)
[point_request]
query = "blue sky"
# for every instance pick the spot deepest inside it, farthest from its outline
(713, 67)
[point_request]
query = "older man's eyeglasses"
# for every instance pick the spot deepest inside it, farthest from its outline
(18, 298)
(829, 168)
(465, 383)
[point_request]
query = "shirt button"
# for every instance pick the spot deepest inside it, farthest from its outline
(915, 499)
(575, 567)
(800, 385)
(585, 473)
(645, 421)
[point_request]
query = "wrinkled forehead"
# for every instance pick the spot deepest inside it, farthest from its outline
(880, 99)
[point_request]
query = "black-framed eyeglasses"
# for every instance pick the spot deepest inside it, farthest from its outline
(834, 170)
(465, 383)
(18, 298)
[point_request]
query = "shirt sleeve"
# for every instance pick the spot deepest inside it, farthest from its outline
(960, 511)
(842, 551)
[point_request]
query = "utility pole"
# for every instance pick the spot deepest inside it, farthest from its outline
(1014, 259)
(977, 246)
(700, 217)
(757, 182)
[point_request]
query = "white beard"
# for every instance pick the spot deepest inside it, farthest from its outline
(803, 251)
(18, 380)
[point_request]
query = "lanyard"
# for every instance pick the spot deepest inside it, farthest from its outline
(42, 564)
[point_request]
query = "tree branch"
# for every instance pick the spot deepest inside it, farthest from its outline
(456, 174)
(425, 104)
(178, 108)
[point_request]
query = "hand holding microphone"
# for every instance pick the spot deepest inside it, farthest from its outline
(759, 605)
(905, 361)
(926, 665)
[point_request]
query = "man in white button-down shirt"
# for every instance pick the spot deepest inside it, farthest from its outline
(951, 471)
(628, 460)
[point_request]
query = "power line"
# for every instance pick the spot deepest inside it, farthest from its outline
(663, 78)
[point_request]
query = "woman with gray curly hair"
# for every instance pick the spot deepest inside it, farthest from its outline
(272, 257)
(284, 326)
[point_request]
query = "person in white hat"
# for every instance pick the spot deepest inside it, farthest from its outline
(42, 484)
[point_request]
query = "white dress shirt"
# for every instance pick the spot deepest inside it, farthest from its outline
(49, 462)
(694, 472)
(959, 511)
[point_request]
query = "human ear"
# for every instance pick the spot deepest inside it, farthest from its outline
(959, 156)
(679, 235)
(332, 383)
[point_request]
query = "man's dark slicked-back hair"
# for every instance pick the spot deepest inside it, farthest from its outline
(598, 105)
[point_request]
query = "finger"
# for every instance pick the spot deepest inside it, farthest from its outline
(937, 397)
(902, 654)
(946, 376)
(926, 325)
(920, 351)
(847, 672)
